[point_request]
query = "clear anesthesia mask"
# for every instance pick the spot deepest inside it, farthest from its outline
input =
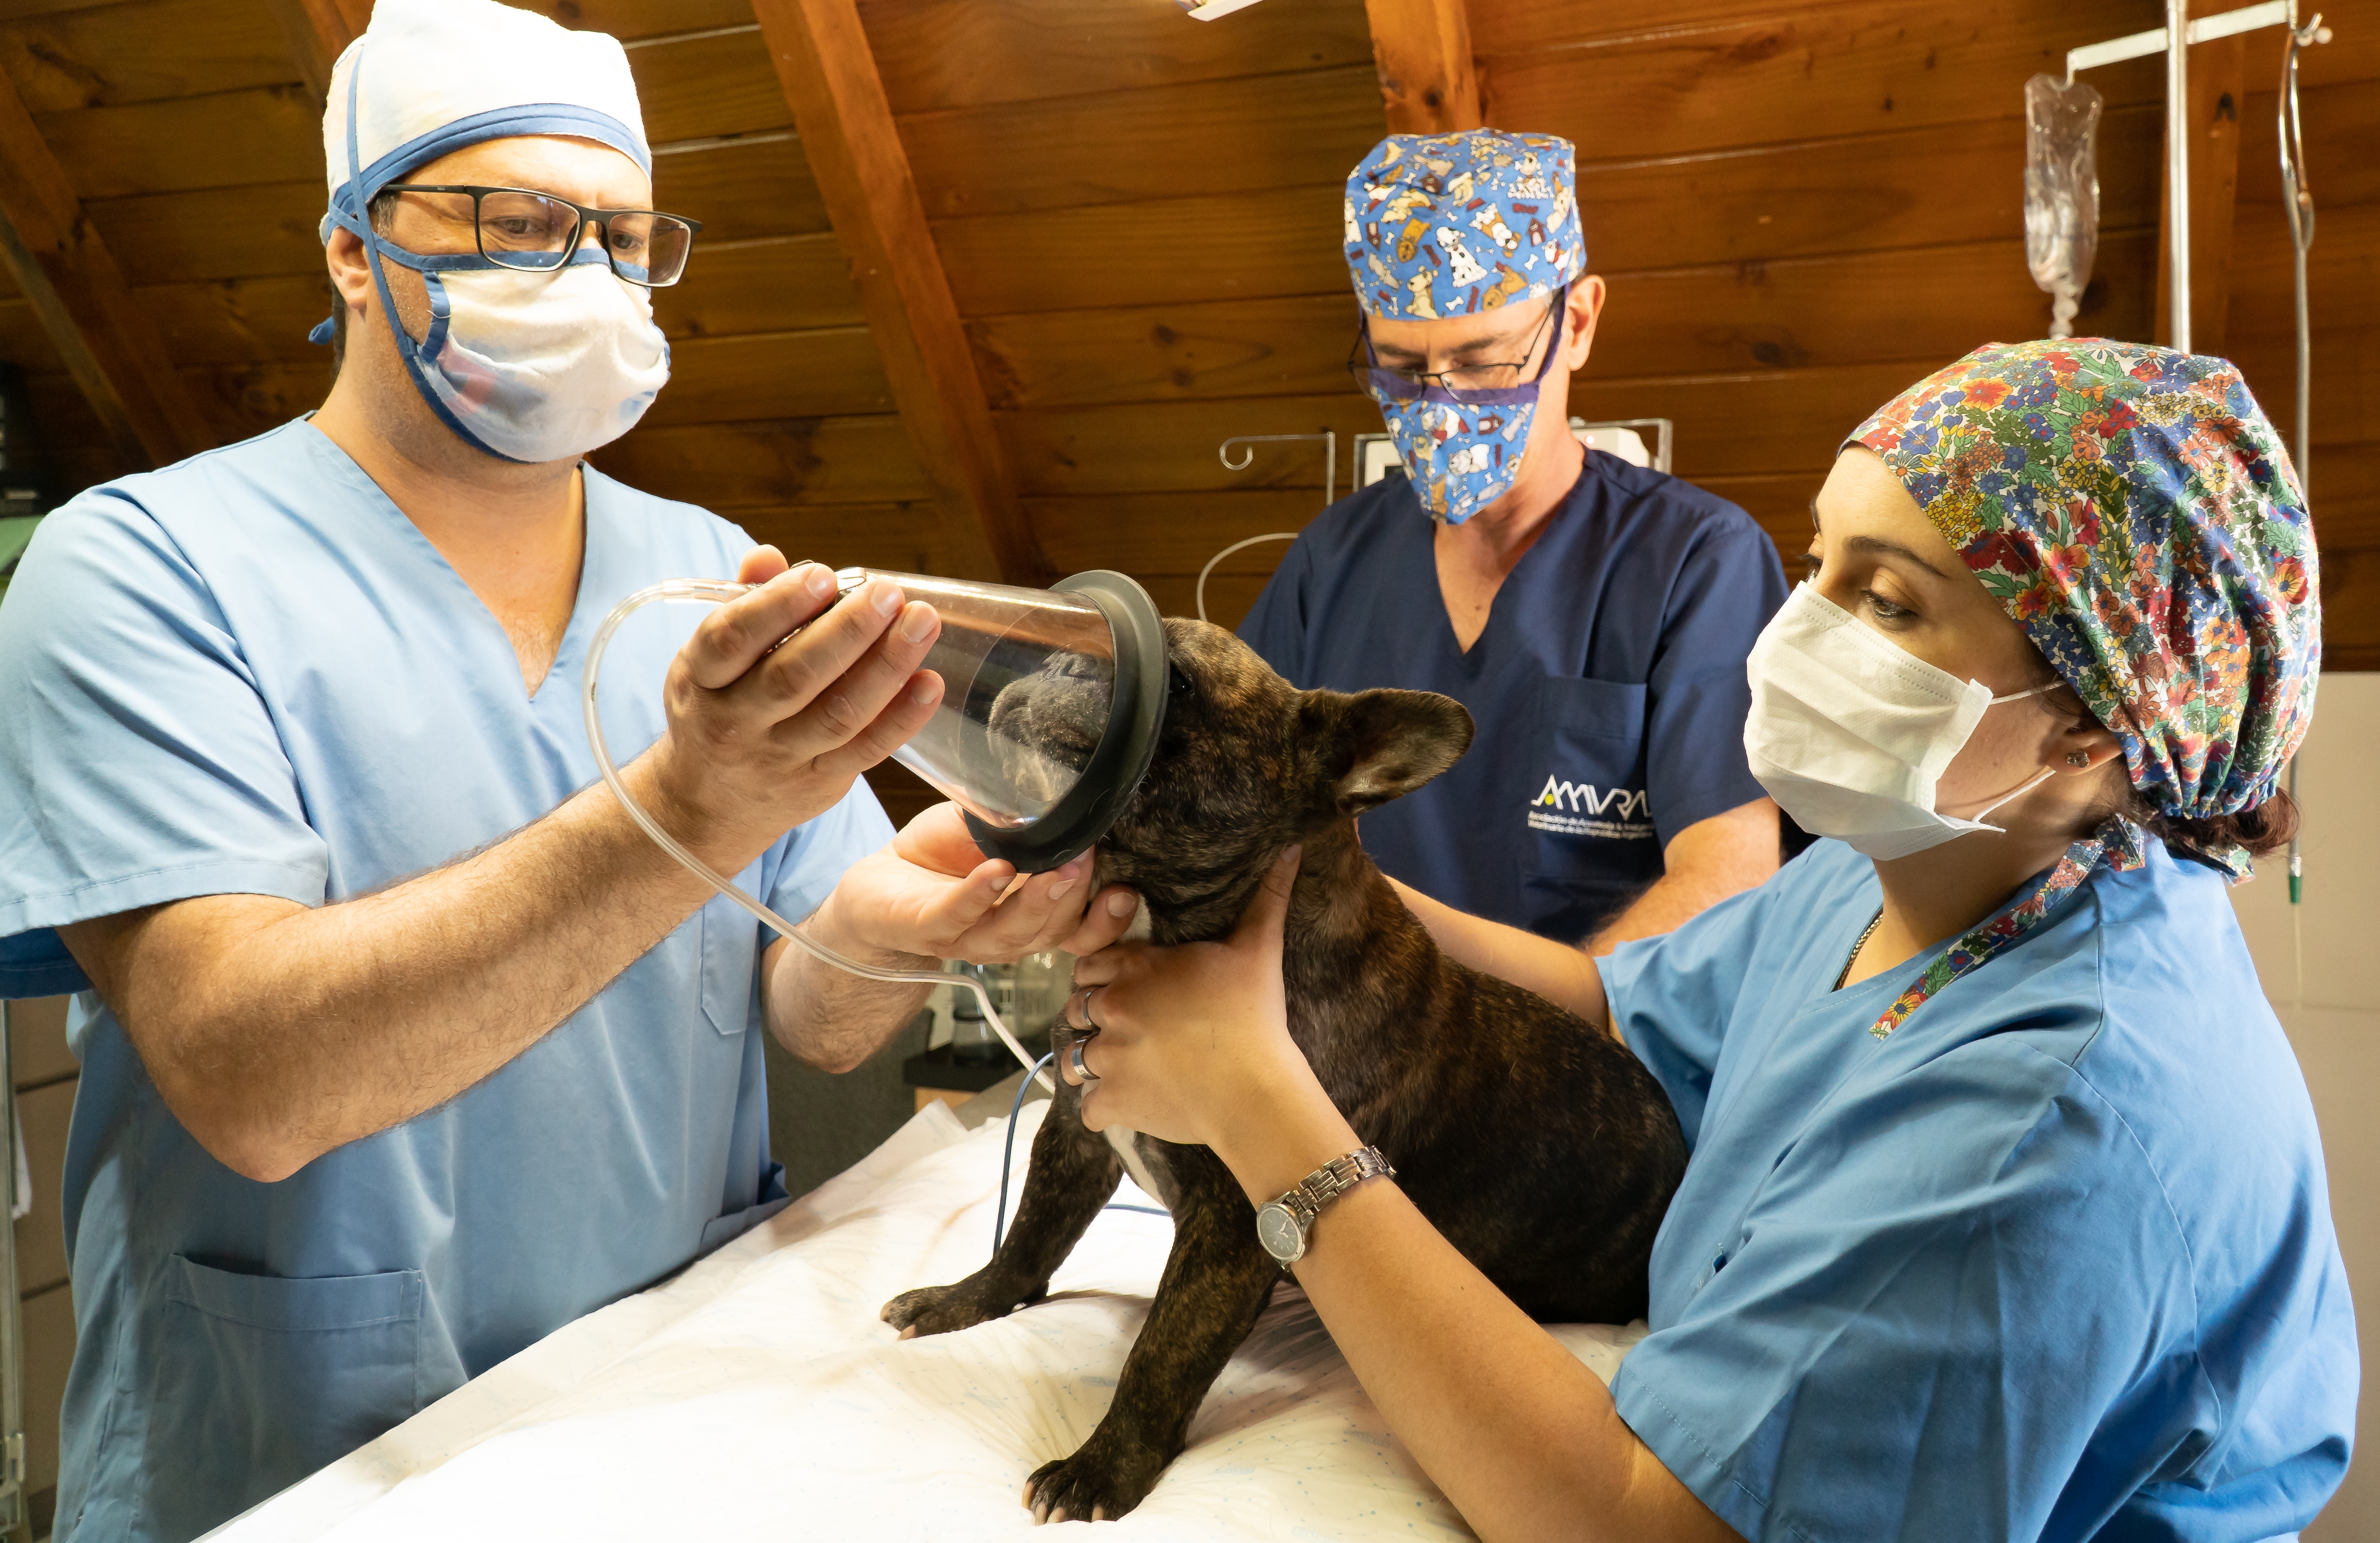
(1051, 704)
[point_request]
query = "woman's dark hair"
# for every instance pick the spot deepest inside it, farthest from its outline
(2267, 827)
(2264, 829)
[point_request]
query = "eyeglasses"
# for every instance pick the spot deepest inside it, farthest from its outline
(1468, 384)
(537, 232)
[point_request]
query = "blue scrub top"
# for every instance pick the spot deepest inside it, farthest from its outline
(2055, 1260)
(1608, 687)
(250, 673)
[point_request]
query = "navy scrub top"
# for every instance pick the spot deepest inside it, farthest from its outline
(1608, 687)
(250, 674)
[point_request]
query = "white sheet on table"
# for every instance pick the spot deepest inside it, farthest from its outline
(757, 1395)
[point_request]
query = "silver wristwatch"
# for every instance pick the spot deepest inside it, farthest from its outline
(1284, 1226)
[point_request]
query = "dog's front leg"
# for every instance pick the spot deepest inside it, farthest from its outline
(1216, 1281)
(1072, 1173)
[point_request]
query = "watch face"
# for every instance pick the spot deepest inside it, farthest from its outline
(1277, 1230)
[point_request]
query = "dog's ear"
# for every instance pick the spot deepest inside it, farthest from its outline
(1375, 746)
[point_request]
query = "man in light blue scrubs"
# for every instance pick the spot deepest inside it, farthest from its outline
(402, 1046)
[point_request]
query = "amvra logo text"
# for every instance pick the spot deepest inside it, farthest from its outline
(1620, 803)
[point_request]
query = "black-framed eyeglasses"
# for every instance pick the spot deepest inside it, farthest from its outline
(519, 228)
(1466, 383)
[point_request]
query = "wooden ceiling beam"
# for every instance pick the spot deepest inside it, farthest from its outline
(319, 32)
(845, 124)
(112, 347)
(1422, 49)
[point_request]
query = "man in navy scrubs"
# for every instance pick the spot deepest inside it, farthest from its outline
(1592, 615)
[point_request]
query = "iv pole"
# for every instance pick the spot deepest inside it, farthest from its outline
(2135, 45)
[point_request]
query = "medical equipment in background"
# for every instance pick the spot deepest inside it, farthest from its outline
(1376, 457)
(2061, 192)
(12, 1327)
(2297, 202)
(1088, 657)
(2135, 45)
(1209, 10)
(1329, 438)
(23, 499)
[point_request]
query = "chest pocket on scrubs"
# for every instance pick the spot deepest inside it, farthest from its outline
(261, 1379)
(730, 939)
(1591, 842)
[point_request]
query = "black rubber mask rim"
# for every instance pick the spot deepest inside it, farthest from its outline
(1127, 745)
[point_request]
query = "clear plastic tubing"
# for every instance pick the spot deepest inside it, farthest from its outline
(718, 592)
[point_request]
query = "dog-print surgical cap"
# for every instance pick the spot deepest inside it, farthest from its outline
(1450, 225)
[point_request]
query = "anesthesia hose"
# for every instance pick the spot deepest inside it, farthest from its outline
(712, 592)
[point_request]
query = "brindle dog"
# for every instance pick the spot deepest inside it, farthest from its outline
(1532, 1139)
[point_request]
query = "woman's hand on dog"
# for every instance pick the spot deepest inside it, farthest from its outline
(933, 893)
(1193, 1042)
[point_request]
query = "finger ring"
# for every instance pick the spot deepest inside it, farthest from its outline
(1080, 1002)
(1074, 1060)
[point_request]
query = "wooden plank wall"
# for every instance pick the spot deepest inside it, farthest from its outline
(1799, 208)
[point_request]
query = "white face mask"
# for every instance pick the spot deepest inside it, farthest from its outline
(1849, 733)
(530, 366)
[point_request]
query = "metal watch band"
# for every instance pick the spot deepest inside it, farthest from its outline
(1331, 1180)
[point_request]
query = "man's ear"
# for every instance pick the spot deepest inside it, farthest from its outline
(1375, 746)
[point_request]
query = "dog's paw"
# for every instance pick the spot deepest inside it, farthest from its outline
(942, 1309)
(1095, 1485)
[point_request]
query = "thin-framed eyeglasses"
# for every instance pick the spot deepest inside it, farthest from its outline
(519, 228)
(1464, 382)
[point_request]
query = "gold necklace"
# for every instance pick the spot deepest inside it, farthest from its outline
(1865, 933)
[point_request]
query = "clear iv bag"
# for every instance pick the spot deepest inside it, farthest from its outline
(2061, 192)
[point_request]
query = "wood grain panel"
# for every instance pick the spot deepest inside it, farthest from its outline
(2347, 528)
(1171, 532)
(244, 400)
(241, 321)
(2343, 272)
(777, 286)
(1925, 188)
(627, 19)
(1747, 316)
(76, 452)
(2341, 123)
(936, 54)
(905, 538)
(1281, 241)
(737, 466)
(225, 139)
(259, 230)
(828, 371)
(1271, 131)
(1229, 596)
(1932, 188)
(740, 192)
(1422, 52)
(23, 343)
(704, 86)
(1806, 72)
(112, 55)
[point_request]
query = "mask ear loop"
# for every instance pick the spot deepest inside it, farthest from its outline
(2021, 788)
(358, 220)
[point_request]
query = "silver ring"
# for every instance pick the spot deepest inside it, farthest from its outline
(1074, 1060)
(1082, 1000)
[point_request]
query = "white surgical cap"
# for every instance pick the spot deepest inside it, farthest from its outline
(429, 77)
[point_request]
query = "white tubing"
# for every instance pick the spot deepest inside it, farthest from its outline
(713, 591)
(1200, 594)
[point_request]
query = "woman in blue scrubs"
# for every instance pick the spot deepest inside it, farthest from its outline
(2005, 1215)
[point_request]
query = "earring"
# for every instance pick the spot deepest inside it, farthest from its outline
(2076, 757)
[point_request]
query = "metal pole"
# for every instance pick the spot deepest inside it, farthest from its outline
(2177, 165)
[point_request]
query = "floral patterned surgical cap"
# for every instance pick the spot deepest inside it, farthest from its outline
(2136, 512)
